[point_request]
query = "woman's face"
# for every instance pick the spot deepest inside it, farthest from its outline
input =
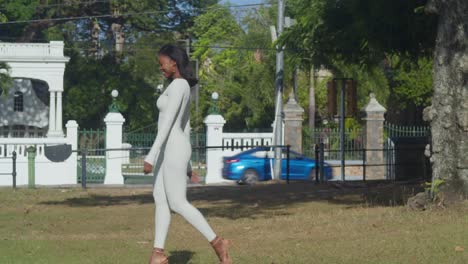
(167, 66)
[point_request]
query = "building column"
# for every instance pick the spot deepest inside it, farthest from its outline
(52, 111)
(58, 116)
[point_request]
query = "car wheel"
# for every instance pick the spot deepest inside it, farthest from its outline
(312, 175)
(249, 177)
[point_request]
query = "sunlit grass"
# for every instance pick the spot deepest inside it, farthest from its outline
(268, 223)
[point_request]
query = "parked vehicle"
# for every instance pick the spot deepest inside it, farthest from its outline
(256, 164)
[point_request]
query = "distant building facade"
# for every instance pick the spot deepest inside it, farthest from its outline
(32, 106)
(25, 110)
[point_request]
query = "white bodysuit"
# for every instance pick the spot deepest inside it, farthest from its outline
(170, 156)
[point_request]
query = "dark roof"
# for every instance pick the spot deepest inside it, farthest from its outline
(40, 88)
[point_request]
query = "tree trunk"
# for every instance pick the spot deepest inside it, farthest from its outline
(95, 31)
(448, 113)
(117, 30)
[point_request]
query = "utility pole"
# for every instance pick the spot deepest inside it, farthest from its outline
(279, 93)
(344, 81)
(196, 93)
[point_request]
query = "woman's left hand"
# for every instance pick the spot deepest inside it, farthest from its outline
(147, 168)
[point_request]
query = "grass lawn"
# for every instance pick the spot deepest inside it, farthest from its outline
(268, 223)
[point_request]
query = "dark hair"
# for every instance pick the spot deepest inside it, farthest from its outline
(182, 60)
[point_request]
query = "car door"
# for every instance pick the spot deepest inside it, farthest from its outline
(260, 162)
(296, 165)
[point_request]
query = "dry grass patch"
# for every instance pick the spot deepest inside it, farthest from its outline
(268, 223)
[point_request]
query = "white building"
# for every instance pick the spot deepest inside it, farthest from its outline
(31, 114)
(38, 70)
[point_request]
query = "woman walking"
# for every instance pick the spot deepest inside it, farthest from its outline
(169, 156)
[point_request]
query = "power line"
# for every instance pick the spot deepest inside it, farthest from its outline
(66, 5)
(149, 48)
(131, 14)
(130, 47)
(98, 2)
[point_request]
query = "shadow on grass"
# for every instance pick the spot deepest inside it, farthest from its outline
(180, 257)
(104, 200)
(265, 200)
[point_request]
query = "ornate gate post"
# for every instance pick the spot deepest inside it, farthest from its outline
(374, 125)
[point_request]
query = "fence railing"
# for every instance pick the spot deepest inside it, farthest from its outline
(354, 143)
(26, 132)
(413, 166)
(91, 163)
(13, 168)
(52, 49)
(247, 139)
(139, 140)
(92, 171)
(92, 139)
(391, 130)
(146, 140)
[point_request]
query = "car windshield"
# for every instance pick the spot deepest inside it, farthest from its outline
(270, 154)
(292, 154)
(262, 154)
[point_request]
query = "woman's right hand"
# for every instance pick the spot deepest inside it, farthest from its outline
(147, 168)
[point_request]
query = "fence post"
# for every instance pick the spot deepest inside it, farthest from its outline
(31, 167)
(14, 169)
(374, 121)
(83, 168)
(322, 161)
(317, 163)
(288, 148)
(214, 138)
(72, 138)
(364, 164)
(114, 123)
(293, 113)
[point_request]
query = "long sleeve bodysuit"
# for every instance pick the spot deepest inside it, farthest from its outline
(170, 155)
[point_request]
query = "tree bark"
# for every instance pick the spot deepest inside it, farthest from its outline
(448, 113)
(117, 30)
(95, 31)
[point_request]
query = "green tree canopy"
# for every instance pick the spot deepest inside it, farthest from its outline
(112, 45)
(234, 64)
(361, 39)
(359, 31)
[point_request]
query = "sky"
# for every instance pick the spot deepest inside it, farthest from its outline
(243, 2)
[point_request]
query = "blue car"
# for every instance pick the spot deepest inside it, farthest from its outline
(256, 164)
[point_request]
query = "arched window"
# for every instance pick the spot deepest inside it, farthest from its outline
(18, 103)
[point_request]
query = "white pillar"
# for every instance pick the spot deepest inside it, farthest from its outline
(72, 139)
(114, 123)
(214, 156)
(51, 132)
(58, 115)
